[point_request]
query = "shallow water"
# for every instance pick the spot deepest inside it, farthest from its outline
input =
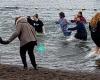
(59, 54)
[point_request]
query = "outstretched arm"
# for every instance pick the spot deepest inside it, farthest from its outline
(14, 35)
(17, 33)
(72, 29)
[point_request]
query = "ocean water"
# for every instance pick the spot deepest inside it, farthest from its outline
(59, 54)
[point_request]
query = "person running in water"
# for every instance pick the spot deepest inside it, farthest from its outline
(26, 34)
(63, 24)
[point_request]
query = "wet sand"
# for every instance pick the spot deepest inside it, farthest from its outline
(9, 72)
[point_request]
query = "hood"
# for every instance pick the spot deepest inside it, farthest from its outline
(21, 20)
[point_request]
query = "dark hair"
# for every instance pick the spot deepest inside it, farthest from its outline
(36, 15)
(29, 17)
(62, 14)
(80, 12)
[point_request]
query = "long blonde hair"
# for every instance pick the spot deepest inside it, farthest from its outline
(95, 20)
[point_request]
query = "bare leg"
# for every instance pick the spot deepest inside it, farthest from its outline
(95, 49)
(98, 51)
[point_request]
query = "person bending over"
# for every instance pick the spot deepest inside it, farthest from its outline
(26, 34)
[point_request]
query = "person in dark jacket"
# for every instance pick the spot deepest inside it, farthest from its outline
(94, 28)
(36, 23)
(81, 31)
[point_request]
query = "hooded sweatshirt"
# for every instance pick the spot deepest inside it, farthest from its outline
(24, 31)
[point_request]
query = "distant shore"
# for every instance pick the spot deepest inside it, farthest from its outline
(9, 72)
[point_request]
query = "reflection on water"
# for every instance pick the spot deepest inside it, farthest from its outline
(59, 54)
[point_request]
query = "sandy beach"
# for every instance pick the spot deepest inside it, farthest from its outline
(9, 72)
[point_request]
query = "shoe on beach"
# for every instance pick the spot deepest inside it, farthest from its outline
(25, 68)
(35, 68)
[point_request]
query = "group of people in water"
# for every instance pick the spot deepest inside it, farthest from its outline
(81, 32)
(80, 26)
(27, 27)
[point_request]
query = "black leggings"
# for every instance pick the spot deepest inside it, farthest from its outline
(28, 47)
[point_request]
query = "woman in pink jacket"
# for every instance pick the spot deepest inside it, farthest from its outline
(26, 34)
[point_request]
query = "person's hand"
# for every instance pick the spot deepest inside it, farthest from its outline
(68, 28)
(3, 42)
(72, 21)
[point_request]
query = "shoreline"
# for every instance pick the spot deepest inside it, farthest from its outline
(15, 72)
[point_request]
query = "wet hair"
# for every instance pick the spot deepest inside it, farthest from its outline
(62, 14)
(36, 15)
(95, 20)
(80, 12)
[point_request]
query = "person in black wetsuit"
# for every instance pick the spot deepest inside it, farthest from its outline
(36, 23)
(94, 28)
(81, 30)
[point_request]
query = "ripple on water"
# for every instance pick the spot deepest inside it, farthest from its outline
(59, 53)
